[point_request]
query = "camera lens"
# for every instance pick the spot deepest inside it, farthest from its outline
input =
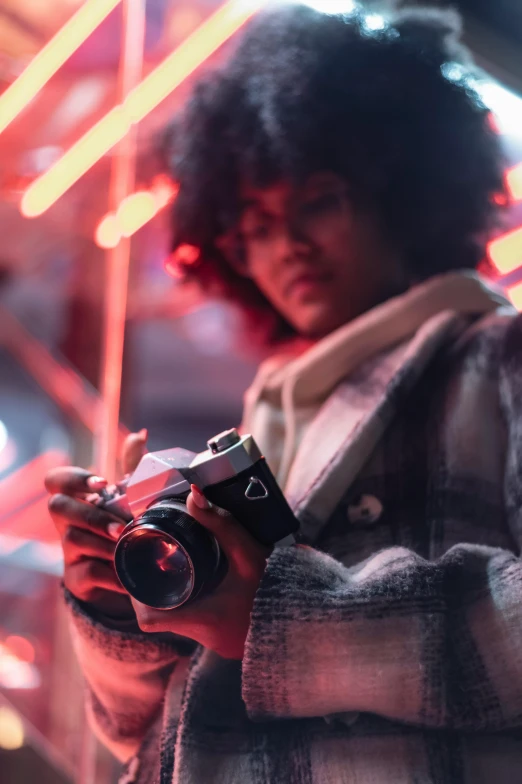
(165, 558)
(159, 569)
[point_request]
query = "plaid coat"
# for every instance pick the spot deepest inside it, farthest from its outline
(386, 647)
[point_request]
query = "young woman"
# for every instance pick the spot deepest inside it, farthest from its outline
(341, 188)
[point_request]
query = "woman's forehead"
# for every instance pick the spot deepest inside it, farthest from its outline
(283, 191)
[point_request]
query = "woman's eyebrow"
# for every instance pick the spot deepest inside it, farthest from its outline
(246, 204)
(255, 206)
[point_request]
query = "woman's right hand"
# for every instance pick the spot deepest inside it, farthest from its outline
(89, 534)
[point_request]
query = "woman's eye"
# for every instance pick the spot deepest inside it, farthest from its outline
(260, 231)
(329, 202)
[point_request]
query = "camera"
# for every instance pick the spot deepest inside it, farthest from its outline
(164, 558)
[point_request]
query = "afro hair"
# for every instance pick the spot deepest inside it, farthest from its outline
(306, 91)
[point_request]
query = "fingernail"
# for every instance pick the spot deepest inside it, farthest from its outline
(115, 530)
(96, 482)
(144, 434)
(199, 498)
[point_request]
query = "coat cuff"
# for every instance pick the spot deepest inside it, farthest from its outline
(127, 642)
(272, 678)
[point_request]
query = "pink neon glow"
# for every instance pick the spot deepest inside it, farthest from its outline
(506, 252)
(184, 256)
(515, 295)
(53, 55)
(107, 234)
(514, 182)
(141, 100)
(134, 212)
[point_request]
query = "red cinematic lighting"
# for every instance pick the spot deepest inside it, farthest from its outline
(141, 100)
(500, 199)
(506, 252)
(172, 269)
(23, 504)
(53, 55)
(514, 182)
(184, 256)
(66, 388)
(494, 123)
(21, 648)
(164, 191)
(183, 21)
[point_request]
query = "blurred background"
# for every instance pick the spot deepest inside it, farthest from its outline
(184, 367)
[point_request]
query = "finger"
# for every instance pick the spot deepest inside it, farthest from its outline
(191, 622)
(66, 511)
(72, 480)
(134, 447)
(86, 579)
(150, 619)
(238, 544)
(78, 544)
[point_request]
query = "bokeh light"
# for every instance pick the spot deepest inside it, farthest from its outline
(12, 734)
(108, 234)
(4, 438)
(21, 647)
(135, 211)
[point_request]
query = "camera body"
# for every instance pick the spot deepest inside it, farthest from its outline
(164, 558)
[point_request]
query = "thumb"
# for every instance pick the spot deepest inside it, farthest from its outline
(134, 447)
(239, 545)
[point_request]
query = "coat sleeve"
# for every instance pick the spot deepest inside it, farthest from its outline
(127, 675)
(431, 643)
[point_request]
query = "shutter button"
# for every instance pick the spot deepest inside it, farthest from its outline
(366, 509)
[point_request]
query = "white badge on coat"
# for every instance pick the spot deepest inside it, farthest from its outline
(368, 509)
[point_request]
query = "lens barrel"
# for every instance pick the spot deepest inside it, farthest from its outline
(165, 558)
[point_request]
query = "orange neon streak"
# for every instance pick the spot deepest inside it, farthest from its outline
(26, 484)
(135, 211)
(514, 182)
(54, 54)
(66, 387)
(45, 190)
(194, 50)
(208, 37)
(123, 171)
(515, 295)
(506, 251)
(107, 234)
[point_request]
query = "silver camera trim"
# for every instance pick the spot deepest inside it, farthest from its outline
(210, 468)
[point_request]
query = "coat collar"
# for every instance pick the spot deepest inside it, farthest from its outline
(287, 393)
(353, 419)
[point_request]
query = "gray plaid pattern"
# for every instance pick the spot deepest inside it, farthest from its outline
(381, 651)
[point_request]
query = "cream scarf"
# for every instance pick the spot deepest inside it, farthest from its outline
(288, 391)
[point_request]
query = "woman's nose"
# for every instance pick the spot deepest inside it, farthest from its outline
(294, 241)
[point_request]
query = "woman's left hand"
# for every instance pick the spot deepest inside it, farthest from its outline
(221, 620)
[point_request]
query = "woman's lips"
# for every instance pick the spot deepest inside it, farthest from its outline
(306, 284)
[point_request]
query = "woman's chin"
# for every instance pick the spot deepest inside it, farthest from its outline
(317, 320)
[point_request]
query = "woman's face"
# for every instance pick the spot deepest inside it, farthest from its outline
(318, 261)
